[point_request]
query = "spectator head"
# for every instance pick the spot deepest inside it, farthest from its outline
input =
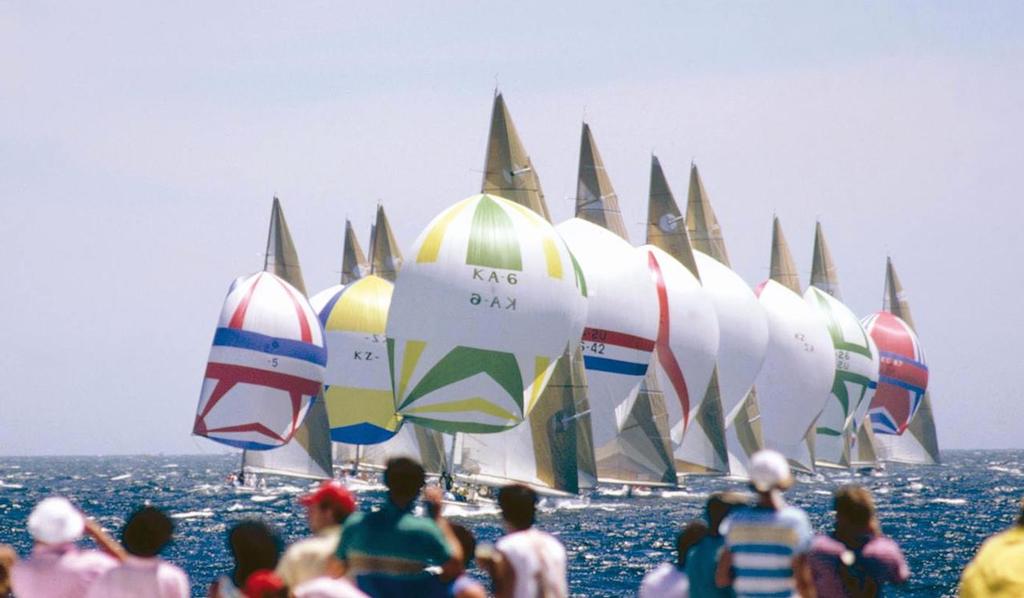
(694, 532)
(518, 505)
(718, 507)
(55, 521)
(330, 505)
(7, 559)
(404, 477)
(264, 583)
(254, 546)
(148, 530)
(855, 509)
(769, 471)
(466, 540)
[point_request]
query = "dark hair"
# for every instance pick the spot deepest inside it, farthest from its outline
(254, 546)
(694, 532)
(518, 505)
(854, 505)
(404, 477)
(147, 531)
(1020, 518)
(718, 507)
(7, 559)
(466, 540)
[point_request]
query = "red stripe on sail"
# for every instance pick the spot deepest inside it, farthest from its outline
(238, 318)
(666, 358)
(305, 332)
(619, 339)
(253, 427)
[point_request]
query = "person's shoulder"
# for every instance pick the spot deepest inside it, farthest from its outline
(664, 580)
(826, 546)
(91, 559)
(326, 587)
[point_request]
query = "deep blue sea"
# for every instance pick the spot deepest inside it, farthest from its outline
(940, 514)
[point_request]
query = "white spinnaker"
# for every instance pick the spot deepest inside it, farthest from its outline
(687, 344)
(480, 316)
(856, 376)
(621, 324)
(796, 377)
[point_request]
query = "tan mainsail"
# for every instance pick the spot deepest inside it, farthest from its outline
(823, 269)
(643, 451)
(353, 260)
(863, 454)
(554, 426)
(783, 268)
(508, 171)
(385, 255)
(921, 430)
(309, 452)
(596, 200)
(705, 232)
(666, 230)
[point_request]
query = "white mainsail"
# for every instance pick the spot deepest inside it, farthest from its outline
(799, 366)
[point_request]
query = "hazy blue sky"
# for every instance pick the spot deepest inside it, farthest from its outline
(141, 143)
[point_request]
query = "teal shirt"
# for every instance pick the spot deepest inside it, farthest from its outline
(701, 564)
(387, 551)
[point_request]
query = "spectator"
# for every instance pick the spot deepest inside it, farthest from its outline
(669, 579)
(57, 568)
(254, 546)
(525, 562)
(7, 559)
(702, 560)
(326, 509)
(998, 569)
(143, 573)
(766, 545)
(392, 552)
(327, 587)
(856, 560)
(465, 586)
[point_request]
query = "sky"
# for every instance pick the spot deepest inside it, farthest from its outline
(141, 145)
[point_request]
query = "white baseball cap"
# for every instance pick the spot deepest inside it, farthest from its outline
(56, 521)
(769, 469)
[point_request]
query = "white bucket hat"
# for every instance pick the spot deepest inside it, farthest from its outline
(55, 521)
(768, 470)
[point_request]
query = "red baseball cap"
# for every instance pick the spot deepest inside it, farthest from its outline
(262, 582)
(331, 493)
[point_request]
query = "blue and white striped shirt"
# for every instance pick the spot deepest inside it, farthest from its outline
(763, 543)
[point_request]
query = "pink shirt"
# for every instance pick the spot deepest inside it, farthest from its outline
(62, 571)
(137, 576)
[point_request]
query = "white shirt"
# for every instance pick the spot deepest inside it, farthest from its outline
(137, 576)
(665, 581)
(325, 587)
(538, 560)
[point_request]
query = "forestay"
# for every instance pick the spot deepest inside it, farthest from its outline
(265, 367)
(480, 316)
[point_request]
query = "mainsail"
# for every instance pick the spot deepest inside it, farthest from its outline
(702, 448)
(353, 261)
(799, 366)
(743, 326)
(309, 452)
(385, 254)
(629, 419)
(508, 171)
(481, 316)
(856, 362)
(920, 443)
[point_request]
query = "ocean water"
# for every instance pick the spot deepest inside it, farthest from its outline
(940, 515)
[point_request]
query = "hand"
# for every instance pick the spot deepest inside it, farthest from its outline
(432, 496)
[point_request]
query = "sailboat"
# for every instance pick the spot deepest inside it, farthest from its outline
(688, 338)
(919, 444)
(742, 324)
(353, 261)
(857, 361)
(796, 377)
(307, 452)
(629, 418)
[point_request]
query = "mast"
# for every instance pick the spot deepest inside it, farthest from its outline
(309, 452)
(823, 270)
(508, 171)
(644, 436)
(353, 260)
(783, 268)
(705, 232)
(703, 448)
